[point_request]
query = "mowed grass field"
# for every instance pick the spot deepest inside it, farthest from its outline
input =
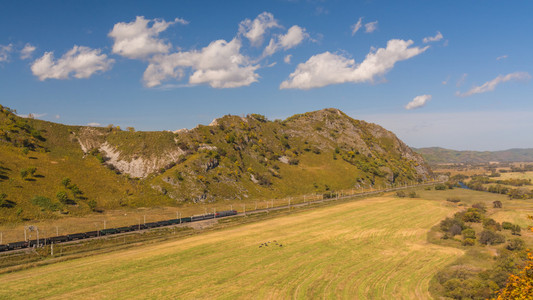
(373, 248)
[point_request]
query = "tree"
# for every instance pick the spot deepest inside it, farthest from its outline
(65, 181)
(92, 204)
(519, 286)
(497, 204)
(24, 173)
(62, 197)
(3, 197)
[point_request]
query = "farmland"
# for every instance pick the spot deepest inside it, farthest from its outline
(370, 248)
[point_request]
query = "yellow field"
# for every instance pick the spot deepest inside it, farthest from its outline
(374, 248)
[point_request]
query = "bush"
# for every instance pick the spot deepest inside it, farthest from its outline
(453, 200)
(44, 202)
(497, 204)
(469, 242)
(472, 215)
(447, 224)
(516, 244)
(488, 237)
(480, 206)
(440, 187)
(515, 230)
(469, 233)
(62, 197)
(507, 225)
(400, 194)
(491, 224)
(413, 194)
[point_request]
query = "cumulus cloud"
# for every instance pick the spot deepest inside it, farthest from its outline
(355, 27)
(4, 52)
(491, 85)
(328, 68)
(418, 101)
(83, 62)
(287, 59)
(435, 38)
(27, 51)
(220, 64)
(138, 40)
(501, 57)
(371, 27)
(294, 36)
(33, 115)
(256, 29)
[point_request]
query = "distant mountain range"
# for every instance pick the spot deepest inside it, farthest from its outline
(436, 155)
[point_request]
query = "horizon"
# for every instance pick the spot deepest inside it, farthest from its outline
(404, 66)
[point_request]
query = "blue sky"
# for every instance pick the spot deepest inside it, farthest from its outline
(454, 74)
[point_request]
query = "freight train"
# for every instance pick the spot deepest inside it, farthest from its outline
(111, 231)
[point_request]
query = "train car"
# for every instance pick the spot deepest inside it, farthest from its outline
(152, 225)
(17, 245)
(58, 239)
(202, 217)
(124, 229)
(4, 248)
(91, 234)
(36, 243)
(225, 213)
(174, 221)
(76, 236)
(108, 231)
(137, 227)
(163, 223)
(185, 220)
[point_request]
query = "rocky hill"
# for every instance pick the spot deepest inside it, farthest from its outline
(49, 169)
(436, 155)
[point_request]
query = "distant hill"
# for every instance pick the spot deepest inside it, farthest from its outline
(48, 170)
(436, 155)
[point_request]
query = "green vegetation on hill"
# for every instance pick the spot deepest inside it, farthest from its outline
(233, 158)
(436, 155)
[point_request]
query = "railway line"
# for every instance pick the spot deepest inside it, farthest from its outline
(104, 233)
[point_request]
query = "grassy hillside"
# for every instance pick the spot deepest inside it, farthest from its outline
(437, 155)
(50, 170)
(373, 248)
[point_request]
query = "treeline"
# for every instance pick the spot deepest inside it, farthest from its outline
(479, 183)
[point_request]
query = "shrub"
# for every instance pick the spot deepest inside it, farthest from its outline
(62, 197)
(480, 206)
(413, 194)
(469, 233)
(440, 187)
(516, 244)
(469, 242)
(65, 181)
(515, 230)
(92, 204)
(497, 204)
(507, 225)
(491, 224)
(44, 202)
(454, 230)
(453, 200)
(400, 194)
(488, 237)
(472, 215)
(448, 223)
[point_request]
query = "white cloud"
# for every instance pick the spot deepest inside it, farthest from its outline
(371, 27)
(255, 30)
(33, 115)
(93, 124)
(82, 61)
(27, 51)
(445, 82)
(355, 27)
(57, 116)
(287, 59)
(418, 101)
(491, 85)
(4, 52)
(220, 64)
(328, 68)
(294, 36)
(137, 40)
(501, 57)
(461, 80)
(435, 38)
